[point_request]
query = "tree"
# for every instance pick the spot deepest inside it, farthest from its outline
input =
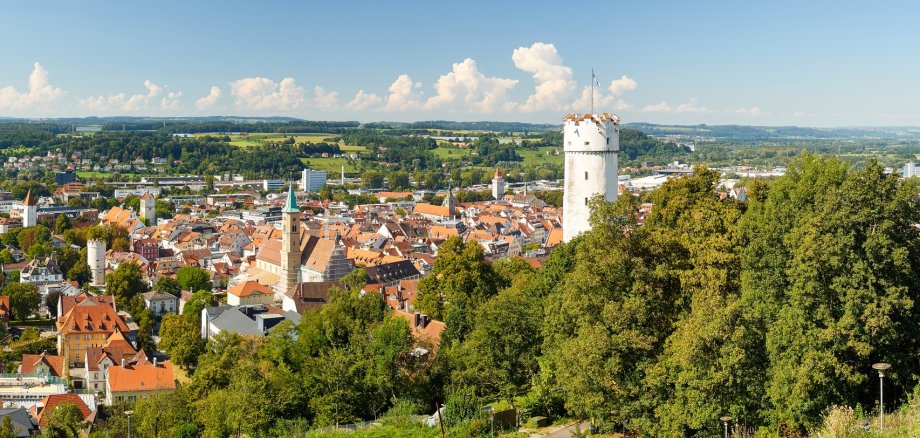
(192, 278)
(64, 421)
(61, 224)
(6, 428)
(6, 257)
(168, 285)
(199, 301)
(51, 301)
(459, 283)
(180, 338)
(125, 283)
(24, 299)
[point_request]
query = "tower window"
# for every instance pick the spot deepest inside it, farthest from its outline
(586, 201)
(586, 176)
(587, 143)
(608, 140)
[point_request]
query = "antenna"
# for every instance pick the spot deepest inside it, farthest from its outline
(592, 92)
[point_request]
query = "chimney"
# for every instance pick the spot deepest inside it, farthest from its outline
(417, 320)
(425, 320)
(122, 362)
(154, 362)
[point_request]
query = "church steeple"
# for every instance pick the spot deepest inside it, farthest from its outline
(290, 246)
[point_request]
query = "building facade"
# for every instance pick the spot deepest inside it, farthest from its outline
(591, 143)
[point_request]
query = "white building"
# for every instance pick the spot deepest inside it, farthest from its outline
(30, 210)
(498, 185)
(148, 208)
(591, 143)
(910, 170)
(95, 258)
(122, 193)
(312, 180)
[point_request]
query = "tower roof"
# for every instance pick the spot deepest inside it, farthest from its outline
(290, 206)
(498, 173)
(30, 200)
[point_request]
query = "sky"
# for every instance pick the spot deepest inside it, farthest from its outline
(815, 63)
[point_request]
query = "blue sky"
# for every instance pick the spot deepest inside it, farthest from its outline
(767, 63)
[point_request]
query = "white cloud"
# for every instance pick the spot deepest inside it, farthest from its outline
(210, 100)
(135, 102)
(363, 101)
(691, 107)
(40, 92)
(404, 94)
(171, 101)
(326, 100)
(621, 85)
(479, 92)
(554, 88)
(657, 108)
(752, 111)
(258, 93)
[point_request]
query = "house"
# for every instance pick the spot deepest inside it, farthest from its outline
(161, 303)
(244, 320)
(250, 292)
(87, 324)
(41, 410)
(116, 351)
(388, 274)
(129, 383)
(41, 271)
(44, 364)
(23, 423)
(307, 296)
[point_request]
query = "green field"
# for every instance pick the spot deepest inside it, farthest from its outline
(539, 156)
(331, 165)
(451, 152)
(84, 174)
(257, 138)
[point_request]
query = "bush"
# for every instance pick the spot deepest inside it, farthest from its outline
(400, 415)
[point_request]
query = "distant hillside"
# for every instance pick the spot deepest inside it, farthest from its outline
(742, 132)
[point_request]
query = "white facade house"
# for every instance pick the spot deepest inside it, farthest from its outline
(591, 143)
(95, 258)
(498, 185)
(161, 303)
(148, 207)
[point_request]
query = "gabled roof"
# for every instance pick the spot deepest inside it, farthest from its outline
(23, 423)
(55, 363)
(52, 401)
(91, 316)
(249, 288)
(30, 200)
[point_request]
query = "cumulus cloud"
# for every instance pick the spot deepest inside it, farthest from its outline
(621, 85)
(476, 90)
(134, 102)
(404, 94)
(691, 107)
(326, 100)
(171, 101)
(210, 100)
(554, 87)
(657, 108)
(40, 92)
(363, 101)
(258, 93)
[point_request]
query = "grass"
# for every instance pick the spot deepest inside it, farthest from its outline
(539, 156)
(258, 138)
(448, 152)
(181, 375)
(83, 174)
(331, 165)
(383, 432)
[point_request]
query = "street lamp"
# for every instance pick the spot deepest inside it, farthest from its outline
(725, 421)
(129, 414)
(881, 367)
(491, 417)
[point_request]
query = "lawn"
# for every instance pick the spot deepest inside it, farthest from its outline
(85, 174)
(257, 138)
(451, 152)
(331, 165)
(541, 155)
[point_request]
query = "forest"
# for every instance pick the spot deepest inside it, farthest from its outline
(771, 312)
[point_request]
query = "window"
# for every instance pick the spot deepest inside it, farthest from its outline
(608, 140)
(587, 143)
(586, 176)
(586, 201)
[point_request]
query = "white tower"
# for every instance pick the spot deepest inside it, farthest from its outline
(148, 209)
(95, 258)
(29, 210)
(591, 143)
(498, 185)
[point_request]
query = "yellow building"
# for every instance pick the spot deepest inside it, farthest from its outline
(87, 323)
(250, 292)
